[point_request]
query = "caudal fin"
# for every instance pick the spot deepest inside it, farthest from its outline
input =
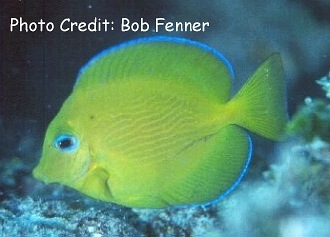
(260, 105)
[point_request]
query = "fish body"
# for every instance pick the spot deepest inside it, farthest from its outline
(150, 124)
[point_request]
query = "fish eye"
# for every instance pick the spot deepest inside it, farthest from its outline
(66, 143)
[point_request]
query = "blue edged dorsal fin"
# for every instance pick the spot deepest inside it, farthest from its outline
(161, 58)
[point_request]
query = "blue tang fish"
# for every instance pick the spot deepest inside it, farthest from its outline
(150, 124)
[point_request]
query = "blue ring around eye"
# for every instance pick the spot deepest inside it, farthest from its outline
(66, 143)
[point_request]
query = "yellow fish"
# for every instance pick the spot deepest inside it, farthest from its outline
(150, 124)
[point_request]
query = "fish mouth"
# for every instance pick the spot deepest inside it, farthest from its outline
(39, 175)
(36, 173)
(42, 176)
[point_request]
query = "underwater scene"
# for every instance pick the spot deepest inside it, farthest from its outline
(176, 118)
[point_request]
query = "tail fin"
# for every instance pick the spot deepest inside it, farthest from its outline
(260, 105)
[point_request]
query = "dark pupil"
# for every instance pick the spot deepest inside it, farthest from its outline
(65, 143)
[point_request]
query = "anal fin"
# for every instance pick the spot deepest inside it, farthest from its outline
(208, 169)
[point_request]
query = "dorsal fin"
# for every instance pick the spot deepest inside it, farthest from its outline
(162, 58)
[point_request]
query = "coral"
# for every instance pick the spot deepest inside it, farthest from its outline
(185, 221)
(85, 217)
(26, 217)
(313, 118)
(292, 199)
